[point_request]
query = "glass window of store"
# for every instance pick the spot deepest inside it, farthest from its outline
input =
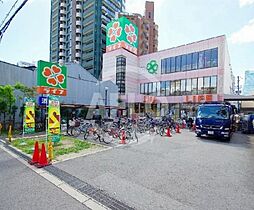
(184, 63)
(146, 89)
(178, 63)
(213, 86)
(168, 65)
(154, 92)
(194, 63)
(207, 85)
(194, 86)
(158, 88)
(188, 63)
(201, 59)
(208, 58)
(162, 88)
(173, 87)
(178, 87)
(120, 73)
(163, 69)
(172, 64)
(142, 88)
(183, 87)
(167, 84)
(200, 85)
(150, 88)
(188, 87)
(214, 57)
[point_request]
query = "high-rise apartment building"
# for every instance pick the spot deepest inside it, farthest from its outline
(148, 30)
(248, 88)
(78, 31)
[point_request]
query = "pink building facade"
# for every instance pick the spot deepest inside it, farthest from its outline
(173, 80)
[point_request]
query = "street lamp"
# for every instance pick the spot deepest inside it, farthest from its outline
(106, 100)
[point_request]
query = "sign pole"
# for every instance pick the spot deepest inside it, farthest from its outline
(47, 122)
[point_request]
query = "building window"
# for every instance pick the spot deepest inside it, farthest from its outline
(150, 88)
(167, 88)
(173, 87)
(146, 89)
(120, 73)
(201, 59)
(172, 64)
(213, 86)
(194, 86)
(194, 64)
(188, 63)
(188, 87)
(200, 85)
(163, 69)
(142, 88)
(158, 89)
(214, 57)
(178, 87)
(207, 58)
(207, 85)
(178, 63)
(154, 91)
(184, 63)
(162, 88)
(167, 65)
(183, 87)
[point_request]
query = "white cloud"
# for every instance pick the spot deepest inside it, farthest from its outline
(245, 2)
(244, 35)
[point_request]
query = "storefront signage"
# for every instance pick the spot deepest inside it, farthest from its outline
(121, 33)
(42, 101)
(29, 116)
(149, 99)
(51, 78)
(199, 98)
(54, 118)
(152, 67)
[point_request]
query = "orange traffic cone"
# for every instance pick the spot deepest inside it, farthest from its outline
(123, 138)
(36, 154)
(43, 161)
(178, 129)
(168, 132)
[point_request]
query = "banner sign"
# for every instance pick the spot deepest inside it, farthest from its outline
(122, 33)
(29, 116)
(51, 78)
(42, 101)
(54, 118)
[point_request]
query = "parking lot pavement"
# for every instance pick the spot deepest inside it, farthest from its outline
(179, 172)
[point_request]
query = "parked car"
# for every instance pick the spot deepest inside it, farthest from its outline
(248, 123)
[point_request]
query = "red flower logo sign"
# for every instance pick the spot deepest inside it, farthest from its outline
(54, 75)
(114, 31)
(130, 31)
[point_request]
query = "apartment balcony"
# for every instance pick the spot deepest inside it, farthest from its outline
(61, 54)
(62, 4)
(62, 18)
(62, 25)
(63, 33)
(78, 23)
(61, 61)
(78, 47)
(78, 55)
(62, 40)
(78, 6)
(62, 11)
(78, 14)
(61, 47)
(78, 39)
(78, 30)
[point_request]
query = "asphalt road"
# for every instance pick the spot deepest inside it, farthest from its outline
(181, 172)
(21, 188)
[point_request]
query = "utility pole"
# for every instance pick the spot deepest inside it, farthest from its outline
(238, 92)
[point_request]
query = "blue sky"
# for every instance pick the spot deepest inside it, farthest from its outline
(180, 22)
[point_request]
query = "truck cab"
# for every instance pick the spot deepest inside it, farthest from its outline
(215, 119)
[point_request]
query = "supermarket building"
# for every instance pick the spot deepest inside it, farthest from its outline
(173, 80)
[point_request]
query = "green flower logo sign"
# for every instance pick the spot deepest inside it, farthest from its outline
(152, 67)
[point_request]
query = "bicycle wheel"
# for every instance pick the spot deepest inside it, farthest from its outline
(75, 132)
(106, 138)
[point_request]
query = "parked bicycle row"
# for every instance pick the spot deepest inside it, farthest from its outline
(129, 129)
